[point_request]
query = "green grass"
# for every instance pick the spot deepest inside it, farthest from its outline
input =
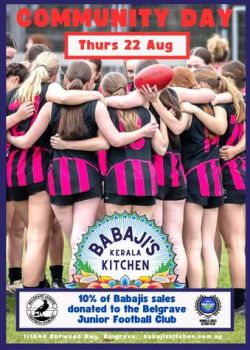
(236, 337)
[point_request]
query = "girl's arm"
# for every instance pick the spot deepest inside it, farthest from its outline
(25, 111)
(160, 141)
(37, 129)
(133, 99)
(224, 97)
(177, 126)
(57, 94)
(94, 144)
(116, 138)
(228, 152)
(217, 123)
(194, 95)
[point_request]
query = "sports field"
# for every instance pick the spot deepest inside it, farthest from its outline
(238, 336)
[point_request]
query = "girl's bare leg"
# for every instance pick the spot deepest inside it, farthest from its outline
(192, 242)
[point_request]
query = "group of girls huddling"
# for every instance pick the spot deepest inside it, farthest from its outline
(90, 147)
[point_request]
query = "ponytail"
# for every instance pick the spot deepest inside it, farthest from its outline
(72, 125)
(227, 84)
(221, 84)
(128, 117)
(45, 67)
(116, 85)
(32, 86)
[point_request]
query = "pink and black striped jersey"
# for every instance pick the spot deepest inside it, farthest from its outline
(233, 170)
(200, 157)
(169, 169)
(28, 166)
(130, 168)
(73, 171)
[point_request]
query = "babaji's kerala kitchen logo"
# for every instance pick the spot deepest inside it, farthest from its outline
(125, 251)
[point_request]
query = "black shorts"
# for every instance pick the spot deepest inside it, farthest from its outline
(146, 201)
(234, 196)
(22, 193)
(205, 202)
(76, 197)
(173, 194)
(8, 199)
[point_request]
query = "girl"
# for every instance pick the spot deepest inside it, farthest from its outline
(204, 179)
(16, 73)
(200, 57)
(231, 221)
(27, 169)
(96, 68)
(130, 179)
(129, 70)
(171, 181)
(72, 195)
(171, 190)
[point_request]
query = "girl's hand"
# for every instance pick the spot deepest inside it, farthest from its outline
(151, 93)
(57, 143)
(25, 111)
(150, 129)
(187, 107)
(227, 152)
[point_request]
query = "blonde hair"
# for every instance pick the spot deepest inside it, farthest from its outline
(219, 48)
(44, 68)
(221, 84)
(115, 84)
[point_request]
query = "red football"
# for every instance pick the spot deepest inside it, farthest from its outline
(157, 74)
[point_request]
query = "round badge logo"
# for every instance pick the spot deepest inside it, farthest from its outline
(42, 309)
(125, 251)
(208, 305)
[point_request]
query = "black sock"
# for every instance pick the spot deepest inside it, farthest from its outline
(15, 274)
(239, 297)
(56, 272)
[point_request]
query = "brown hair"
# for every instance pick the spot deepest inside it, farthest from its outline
(218, 48)
(166, 97)
(184, 77)
(10, 41)
(115, 84)
(34, 51)
(220, 84)
(17, 70)
(41, 39)
(236, 71)
(98, 64)
(203, 53)
(71, 125)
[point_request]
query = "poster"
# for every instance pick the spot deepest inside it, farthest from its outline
(127, 287)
